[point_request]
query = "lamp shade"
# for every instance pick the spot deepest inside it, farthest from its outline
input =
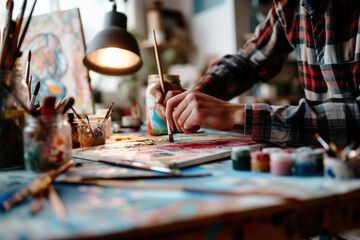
(113, 51)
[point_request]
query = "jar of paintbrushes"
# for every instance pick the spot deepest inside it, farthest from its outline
(47, 136)
(12, 118)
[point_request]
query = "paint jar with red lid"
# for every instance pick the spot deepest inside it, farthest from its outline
(260, 162)
(280, 163)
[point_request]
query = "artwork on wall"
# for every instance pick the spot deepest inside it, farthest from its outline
(57, 47)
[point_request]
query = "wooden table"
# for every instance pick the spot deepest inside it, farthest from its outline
(241, 205)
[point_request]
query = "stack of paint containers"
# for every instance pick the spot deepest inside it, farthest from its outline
(303, 161)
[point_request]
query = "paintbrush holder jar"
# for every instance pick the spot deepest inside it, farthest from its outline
(156, 126)
(12, 119)
(47, 142)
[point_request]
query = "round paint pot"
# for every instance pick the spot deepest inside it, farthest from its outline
(319, 161)
(271, 150)
(260, 162)
(303, 163)
(280, 163)
(241, 157)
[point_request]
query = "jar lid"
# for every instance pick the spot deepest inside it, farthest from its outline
(271, 149)
(280, 157)
(260, 156)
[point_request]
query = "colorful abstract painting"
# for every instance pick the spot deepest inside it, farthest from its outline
(57, 49)
(186, 151)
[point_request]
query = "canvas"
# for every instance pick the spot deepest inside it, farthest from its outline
(157, 153)
(57, 49)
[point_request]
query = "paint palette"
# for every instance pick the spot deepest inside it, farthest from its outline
(188, 150)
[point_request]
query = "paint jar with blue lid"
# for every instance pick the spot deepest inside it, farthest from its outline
(319, 161)
(156, 126)
(241, 157)
(303, 163)
(280, 163)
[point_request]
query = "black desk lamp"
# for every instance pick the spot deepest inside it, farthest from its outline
(113, 51)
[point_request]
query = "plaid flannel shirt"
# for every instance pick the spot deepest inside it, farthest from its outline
(326, 40)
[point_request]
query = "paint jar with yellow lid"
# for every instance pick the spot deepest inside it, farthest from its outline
(157, 126)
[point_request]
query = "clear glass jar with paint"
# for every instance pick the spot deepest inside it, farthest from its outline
(12, 119)
(157, 126)
(47, 142)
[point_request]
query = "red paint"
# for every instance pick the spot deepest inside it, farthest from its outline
(205, 144)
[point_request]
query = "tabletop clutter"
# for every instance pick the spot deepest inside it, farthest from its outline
(302, 161)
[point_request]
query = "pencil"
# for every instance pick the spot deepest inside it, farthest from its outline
(171, 138)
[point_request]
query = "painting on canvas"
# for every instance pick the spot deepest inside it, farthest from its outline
(57, 49)
(188, 150)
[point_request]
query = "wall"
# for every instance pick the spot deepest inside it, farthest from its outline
(214, 32)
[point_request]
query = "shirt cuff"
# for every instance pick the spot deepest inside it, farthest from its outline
(257, 121)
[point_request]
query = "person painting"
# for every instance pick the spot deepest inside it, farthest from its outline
(326, 38)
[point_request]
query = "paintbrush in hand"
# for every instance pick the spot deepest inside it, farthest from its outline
(171, 138)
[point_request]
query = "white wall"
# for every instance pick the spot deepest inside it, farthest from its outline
(213, 32)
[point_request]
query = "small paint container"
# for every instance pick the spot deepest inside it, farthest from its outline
(47, 142)
(280, 163)
(336, 169)
(319, 161)
(303, 163)
(260, 162)
(74, 130)
(270, 150)
(241, 157)
(92, 133)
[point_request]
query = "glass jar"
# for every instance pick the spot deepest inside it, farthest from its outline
(12, 119)
(47, 142)
(156, 126)
(74, 130)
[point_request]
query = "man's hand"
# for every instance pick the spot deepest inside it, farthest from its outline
(188, 111)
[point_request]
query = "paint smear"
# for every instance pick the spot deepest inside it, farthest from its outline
(205, 144)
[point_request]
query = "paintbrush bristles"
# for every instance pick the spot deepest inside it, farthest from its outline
(36, 91)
